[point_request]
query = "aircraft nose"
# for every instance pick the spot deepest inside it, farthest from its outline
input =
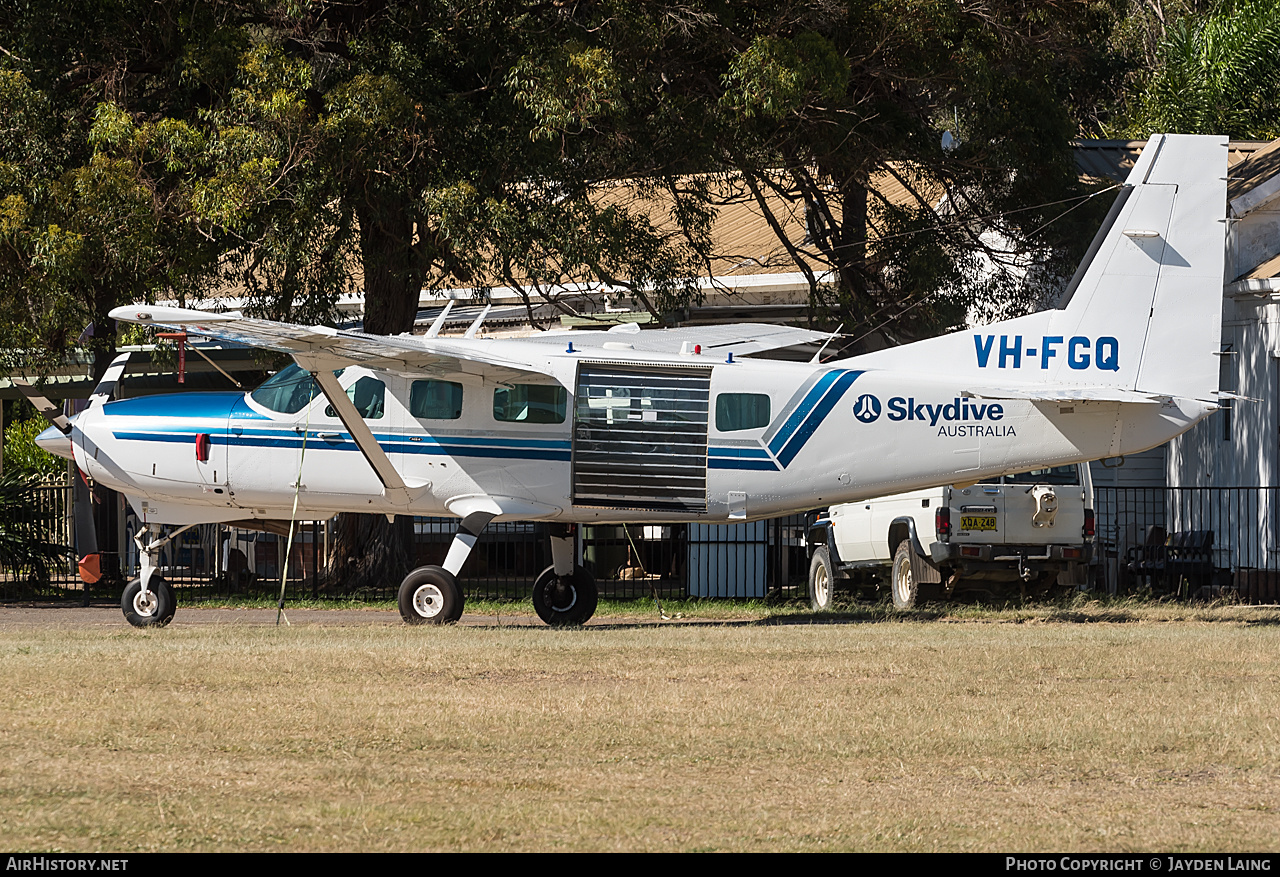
(55, 442)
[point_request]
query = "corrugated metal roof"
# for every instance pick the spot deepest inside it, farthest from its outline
(1113, 159)
(744, 239)
(1251, 176)
(1269, 268)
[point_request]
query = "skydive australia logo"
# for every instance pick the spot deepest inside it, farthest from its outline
(867, 408)
(957, 418)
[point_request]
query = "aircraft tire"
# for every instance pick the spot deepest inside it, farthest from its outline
(157, 612)
(565, 602)
(905, 588)
(822, 580)
(430, 595)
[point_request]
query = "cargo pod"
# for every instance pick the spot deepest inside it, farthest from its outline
(640, 437)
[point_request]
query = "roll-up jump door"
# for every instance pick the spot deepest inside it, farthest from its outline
(640, 437)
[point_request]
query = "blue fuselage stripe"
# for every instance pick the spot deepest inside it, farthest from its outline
(742, 463)
(502, 449)
(759, 453)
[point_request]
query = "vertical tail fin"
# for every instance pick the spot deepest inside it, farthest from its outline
(1154, 280)
(1143, 313)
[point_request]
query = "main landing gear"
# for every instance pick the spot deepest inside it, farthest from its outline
(564, 594)
(148, 600)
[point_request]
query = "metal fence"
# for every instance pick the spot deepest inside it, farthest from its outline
(41, 512)
(217, 562)
(1201, 542)
(1189, 542)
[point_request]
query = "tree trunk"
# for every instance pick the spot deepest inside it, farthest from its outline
(851, 240)
(392, 279)
(369, 551)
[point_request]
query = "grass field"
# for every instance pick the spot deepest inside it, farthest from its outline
(1089, 727)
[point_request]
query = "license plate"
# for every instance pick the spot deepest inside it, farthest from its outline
(978, 522)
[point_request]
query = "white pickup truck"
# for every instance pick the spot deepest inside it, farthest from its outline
(1030, 534)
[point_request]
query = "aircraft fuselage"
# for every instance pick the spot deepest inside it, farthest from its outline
(630, 438)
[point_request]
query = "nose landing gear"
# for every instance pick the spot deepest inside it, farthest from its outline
(148, 600)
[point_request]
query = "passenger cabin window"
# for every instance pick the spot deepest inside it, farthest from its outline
(368, 395)
(288, 391)
(436, 400)
(530, 403)
(735, 411)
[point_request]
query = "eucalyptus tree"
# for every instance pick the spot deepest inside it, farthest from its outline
(964, 112)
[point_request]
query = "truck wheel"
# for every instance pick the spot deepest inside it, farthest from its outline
(905, 588)
(822, 580)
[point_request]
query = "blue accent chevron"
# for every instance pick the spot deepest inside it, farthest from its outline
(801, 435)
(802, 410)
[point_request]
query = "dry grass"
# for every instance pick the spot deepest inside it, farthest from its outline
(996, 731)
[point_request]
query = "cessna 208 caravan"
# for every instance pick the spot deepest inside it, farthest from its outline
(677, 424)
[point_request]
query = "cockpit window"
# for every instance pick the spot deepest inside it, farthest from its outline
(288, 391)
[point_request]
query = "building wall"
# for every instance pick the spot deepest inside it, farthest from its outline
(1237, 446)
(1236, 451)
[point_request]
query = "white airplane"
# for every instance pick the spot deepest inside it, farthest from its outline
(678, 424)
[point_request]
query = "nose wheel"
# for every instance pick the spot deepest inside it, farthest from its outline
(565, 600)
(148, 601)
(153, 607)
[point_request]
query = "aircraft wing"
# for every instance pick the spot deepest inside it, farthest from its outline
(396, 353)
(743, 339)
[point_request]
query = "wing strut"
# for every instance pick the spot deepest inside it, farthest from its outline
(395, 487)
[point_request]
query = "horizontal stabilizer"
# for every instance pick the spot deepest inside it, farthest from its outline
(1050, 393)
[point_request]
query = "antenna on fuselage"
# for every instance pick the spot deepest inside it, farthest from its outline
(438, 323)
(475, 327)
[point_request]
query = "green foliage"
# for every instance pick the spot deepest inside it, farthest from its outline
(1217, 73)
(775, 76)
(296, 152)
(565, 89)
(23, 457)
(25, 544)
